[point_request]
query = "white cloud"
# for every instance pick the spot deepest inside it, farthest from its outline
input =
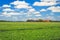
(8, 9)
(21, 4)
(44, 3)
(6, 6)
(54, 9)
(37, 14)
(43, 10)
(32, 10)
(49, 0)
(10, 14)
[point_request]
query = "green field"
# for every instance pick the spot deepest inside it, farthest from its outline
(29, 30)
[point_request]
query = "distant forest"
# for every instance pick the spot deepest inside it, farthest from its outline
(41, 20)
(31, 20)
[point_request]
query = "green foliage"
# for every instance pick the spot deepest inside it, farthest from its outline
(29, 30)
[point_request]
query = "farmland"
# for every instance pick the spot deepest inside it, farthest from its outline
(29, 30)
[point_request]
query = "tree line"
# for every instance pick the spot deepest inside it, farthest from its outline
(41, 20)
(31, 20)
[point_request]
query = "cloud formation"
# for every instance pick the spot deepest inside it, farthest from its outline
(54, 9)
(20, 8)
(46, 3)
(6, 5)
(21, 4)
(49, 0)
(43, 10)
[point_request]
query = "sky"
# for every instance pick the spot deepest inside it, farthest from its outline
(22, 10)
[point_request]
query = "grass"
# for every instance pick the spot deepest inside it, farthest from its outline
(29, 30)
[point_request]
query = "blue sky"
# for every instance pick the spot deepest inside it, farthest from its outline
(21, 10)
